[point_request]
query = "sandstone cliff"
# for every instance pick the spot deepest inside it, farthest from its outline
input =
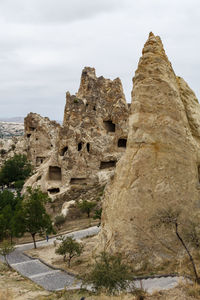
(162, 158)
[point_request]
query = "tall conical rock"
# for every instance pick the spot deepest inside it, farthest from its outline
(160, 165)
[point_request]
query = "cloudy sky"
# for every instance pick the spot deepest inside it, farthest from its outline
(44, 45)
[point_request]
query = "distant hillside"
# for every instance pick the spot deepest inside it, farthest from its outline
(14, 119)
(10, 129)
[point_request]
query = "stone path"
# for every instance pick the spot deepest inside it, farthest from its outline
(55, 280)
(47, 277)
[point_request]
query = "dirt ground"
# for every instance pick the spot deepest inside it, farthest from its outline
(14, 286)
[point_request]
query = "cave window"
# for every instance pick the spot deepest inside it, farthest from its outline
(32, 128)
(107, 164)
(80, 146)
(122, 143)
(63, 151)
(94, 108)
(81, 181)
(36, 139)
(53, 190)
(28, 135)
(55, 173)
(88, 147)
(39, 160)
(38, 178)
(109, 126)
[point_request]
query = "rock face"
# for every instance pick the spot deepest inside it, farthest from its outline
(161, 164)
(83, 152)
(41, 136)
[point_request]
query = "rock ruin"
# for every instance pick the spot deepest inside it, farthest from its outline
(162, 159)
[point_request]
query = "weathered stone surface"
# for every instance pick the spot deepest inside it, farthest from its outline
(87, 146)
(41, 137)
(161, 161)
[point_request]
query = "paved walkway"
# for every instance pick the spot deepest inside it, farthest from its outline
(47, 277)
(55, 280)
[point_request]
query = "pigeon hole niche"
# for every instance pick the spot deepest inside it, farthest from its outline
(55, 173)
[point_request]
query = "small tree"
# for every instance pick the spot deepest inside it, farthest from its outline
(86, 206)
(5, 249)
(69, 246)
(109, 273)
(97, 215)
(171, 218)
(36, 219)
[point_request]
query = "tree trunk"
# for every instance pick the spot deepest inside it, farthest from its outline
(33, 236)
(197, 279)
(69, 261)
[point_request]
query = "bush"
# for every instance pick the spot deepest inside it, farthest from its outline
(59, 220)
(2, 152)
(69, 246)
(109, 274)
(86, 207)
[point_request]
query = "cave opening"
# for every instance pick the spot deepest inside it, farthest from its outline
(107, 164)
(82, 181)
(39, 160)
(80, 146)
(88, 147)
(109, 126)
(53, 190)
(64, 150)
(122, 143)
(55, 173)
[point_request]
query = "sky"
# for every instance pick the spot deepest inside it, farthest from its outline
(45, 44)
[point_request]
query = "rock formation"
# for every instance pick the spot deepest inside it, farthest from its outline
(81, 154)
(162, 159)
(41, 136)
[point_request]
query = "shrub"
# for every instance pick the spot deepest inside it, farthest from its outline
(69, 246)
(86, 207)
(109, 274)
(59, 220)
(5, 249)
(2, 152)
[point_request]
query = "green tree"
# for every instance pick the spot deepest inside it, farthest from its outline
(9, 204)
(34, 216)
(15, 169)
(97, 215)
(109, 274)
(86, 206)
(5, 249)
(69, 246)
